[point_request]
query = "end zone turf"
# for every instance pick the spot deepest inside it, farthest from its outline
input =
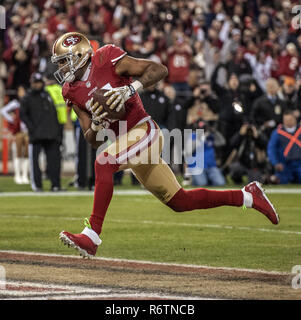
(43, 276)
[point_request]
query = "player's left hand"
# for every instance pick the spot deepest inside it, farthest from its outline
(118, 96)
(96, 109)
(98, 123)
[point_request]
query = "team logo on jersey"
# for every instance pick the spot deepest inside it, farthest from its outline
(88, 84)
(71, 40)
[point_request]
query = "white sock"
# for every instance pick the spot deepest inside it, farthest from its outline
(248, 198)
(17, 168)
(25, 166)
(92, 235)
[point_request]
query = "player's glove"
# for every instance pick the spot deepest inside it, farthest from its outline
(98, 123)
(118, 96)
(96, 110)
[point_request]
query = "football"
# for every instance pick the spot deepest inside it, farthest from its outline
(98, 96)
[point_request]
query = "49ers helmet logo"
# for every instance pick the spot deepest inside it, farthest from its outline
(71, 40)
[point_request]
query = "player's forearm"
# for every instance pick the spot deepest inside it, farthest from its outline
(91, 137)
(153, 73)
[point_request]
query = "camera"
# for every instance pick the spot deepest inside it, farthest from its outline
(208, 125)
(249, 130)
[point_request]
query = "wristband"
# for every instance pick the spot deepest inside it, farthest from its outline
(133, 91)
(137, 85)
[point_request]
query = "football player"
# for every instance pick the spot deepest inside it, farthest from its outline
(83, 72)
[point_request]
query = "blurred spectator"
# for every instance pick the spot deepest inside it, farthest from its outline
(262, 65)
(264, 23)
(231, 45)
(3, 76)
(177, 119)
(233, 100)
(290, 92)
(21, 59)
(267, 110)
(248, 155)
(11, 113)
(250, 90)
(288, 63)
(238, 64)
(179, 56)
(156, 104)
(38, 112)
(284, 150)
(179, 106)
(55, 92)
(84, 161)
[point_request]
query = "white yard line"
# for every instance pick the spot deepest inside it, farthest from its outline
(67, 292)
(125, 192)
(190, 266)
(122, 296)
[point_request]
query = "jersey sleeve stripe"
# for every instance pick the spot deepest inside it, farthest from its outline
(118, 58)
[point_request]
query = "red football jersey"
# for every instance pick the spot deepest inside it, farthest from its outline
(178, 66)
(101, 75)
(287, 65)
(15, 127)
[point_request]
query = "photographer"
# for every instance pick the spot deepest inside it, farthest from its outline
(248, 155)
(205, 104)
(197, 147)
(205, 94)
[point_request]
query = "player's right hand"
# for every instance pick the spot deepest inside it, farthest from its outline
(118, 96)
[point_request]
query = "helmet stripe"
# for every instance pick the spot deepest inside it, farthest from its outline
(53, 47)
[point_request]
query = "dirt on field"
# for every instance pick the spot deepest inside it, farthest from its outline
(41, 276)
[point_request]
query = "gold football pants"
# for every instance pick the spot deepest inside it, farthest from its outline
(140, 150)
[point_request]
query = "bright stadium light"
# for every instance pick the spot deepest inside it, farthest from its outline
(237, 106)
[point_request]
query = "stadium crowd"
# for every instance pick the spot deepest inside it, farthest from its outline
(234, 71)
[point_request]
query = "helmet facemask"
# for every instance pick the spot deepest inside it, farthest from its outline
(66, 73)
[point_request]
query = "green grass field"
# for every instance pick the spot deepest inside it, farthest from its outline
(140, 227)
